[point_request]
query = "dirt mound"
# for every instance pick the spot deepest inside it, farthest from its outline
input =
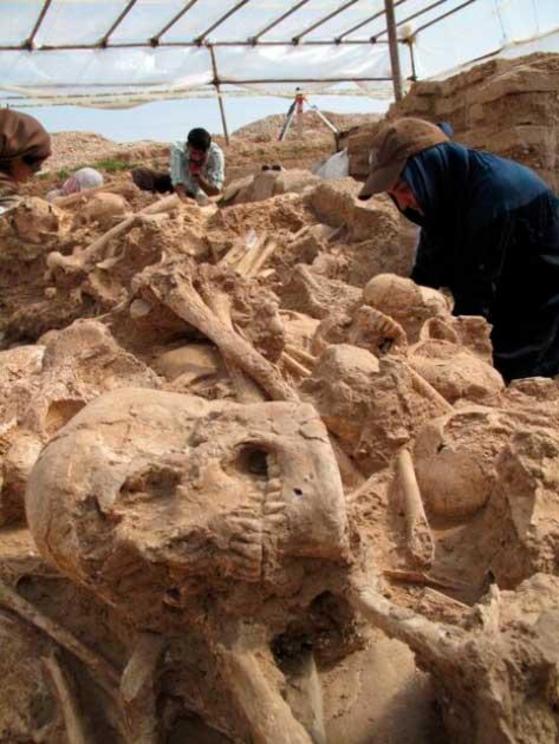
(72, 150)
(267, 129)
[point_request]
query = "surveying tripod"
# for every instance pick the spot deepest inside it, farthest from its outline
(296, 110)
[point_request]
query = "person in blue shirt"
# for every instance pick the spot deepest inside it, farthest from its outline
(489, 233)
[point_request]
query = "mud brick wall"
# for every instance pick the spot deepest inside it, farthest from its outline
(509, 107)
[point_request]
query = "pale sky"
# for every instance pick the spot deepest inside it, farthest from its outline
(171, 120)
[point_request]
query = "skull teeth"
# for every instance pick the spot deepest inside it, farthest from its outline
(278, 518)
(274, 485)
(245, 523)
(250, 537)
(274, 507)
(252, 551)
(274, 470)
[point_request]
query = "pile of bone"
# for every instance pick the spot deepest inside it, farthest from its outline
(249, 442)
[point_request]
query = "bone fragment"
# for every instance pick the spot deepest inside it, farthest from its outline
(303, 356)
(420, 577)
(233, 254)
(105, 674)
(141, 666)
(294, 366)
(419, 539)
(138, 688)
(433, 596)
(75, 727)
(260, 259)
(309, 687)
(244, 265)
(425, 388)
(268, 715)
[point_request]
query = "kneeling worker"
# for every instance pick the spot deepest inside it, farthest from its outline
(197, 169)
(489, 232)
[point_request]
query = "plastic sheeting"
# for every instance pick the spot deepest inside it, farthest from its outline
(131, 71)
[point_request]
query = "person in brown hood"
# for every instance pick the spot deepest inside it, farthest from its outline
(489, 233)
(24, 146)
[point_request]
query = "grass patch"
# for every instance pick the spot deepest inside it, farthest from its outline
(113, 166)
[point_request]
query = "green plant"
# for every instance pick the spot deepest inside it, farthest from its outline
(112, 166)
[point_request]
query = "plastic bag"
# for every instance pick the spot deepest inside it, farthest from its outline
(337, 166)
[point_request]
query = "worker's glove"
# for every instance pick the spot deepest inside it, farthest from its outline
(202, 198)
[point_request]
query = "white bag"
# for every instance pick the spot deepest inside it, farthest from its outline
(337, 166)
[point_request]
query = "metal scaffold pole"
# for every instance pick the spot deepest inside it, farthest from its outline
(216, 82)
(393, 46)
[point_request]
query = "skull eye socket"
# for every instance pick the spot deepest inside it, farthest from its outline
(253, 460)
(153, 483)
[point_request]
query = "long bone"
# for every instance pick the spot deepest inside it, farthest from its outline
(73, 722)
(105, 674)
(429, 640)
(419, 540)
(174, 288)
(220, 303)
(266, 712)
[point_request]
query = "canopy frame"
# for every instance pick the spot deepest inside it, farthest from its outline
(299, 39)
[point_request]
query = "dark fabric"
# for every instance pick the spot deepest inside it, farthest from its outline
(490, 233)
(154, 181)
(455, 185)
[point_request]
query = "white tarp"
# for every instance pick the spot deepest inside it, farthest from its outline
(176, 67)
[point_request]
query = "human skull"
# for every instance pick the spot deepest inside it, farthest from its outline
(406, 302)
(36, 221)
(454, 457)
(155, 500)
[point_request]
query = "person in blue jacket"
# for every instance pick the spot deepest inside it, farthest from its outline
(489, 233)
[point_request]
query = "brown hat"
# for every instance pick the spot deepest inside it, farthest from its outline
(395, 143)
(22, 135)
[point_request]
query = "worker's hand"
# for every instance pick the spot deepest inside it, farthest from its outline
(202, 198)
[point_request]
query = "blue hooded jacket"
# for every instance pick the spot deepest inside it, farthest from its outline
(490, 233)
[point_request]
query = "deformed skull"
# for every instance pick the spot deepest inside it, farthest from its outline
(155, 500)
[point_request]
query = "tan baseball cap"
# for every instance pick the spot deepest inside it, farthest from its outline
(395, 143)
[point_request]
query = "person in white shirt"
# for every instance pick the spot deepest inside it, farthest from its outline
(197, 169)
